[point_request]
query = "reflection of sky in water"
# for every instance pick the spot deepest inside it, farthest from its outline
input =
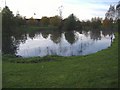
(83, 45)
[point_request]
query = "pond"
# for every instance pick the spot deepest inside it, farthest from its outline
(65, 43)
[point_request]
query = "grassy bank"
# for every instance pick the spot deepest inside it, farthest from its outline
(95, 70)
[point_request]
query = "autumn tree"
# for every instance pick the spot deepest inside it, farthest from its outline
(55, 21)
(44, 21)
(70, 23)
(107, 22)
(96, 22)
(78, 25)
(31, 21)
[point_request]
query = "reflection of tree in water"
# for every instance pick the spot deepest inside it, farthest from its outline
(80, 31)
(82, 46)
(20, 38)
(7, 45)
(63, 44)
(70, 37)
(86, 33)
(31, 35)
(56, 37)
(45, 34)
(106, 32)
(95, 34)
(10, 43)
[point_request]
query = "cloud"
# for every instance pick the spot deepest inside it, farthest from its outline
(105, 2)
(83, 9)
(100, 9)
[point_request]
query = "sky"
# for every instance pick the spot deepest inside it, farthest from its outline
(82, 9)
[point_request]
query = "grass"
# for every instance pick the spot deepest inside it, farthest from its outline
(99, 70)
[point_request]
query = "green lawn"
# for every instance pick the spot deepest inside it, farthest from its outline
(90, 71)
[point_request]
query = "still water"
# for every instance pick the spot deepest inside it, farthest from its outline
(72, 43)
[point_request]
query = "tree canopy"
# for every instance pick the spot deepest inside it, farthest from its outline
(44, 21)
(7, 20)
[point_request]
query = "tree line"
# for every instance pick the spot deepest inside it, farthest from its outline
(9, 21)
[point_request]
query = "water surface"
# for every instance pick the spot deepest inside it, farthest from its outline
(69, 43)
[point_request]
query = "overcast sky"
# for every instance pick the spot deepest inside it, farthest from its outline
(83, 9)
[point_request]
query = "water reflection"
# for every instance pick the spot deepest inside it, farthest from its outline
(45, 34)
(63, 43)
(70, 37)
(95, 34)
(56, 37)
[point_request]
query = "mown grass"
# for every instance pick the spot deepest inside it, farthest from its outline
(99, 70)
